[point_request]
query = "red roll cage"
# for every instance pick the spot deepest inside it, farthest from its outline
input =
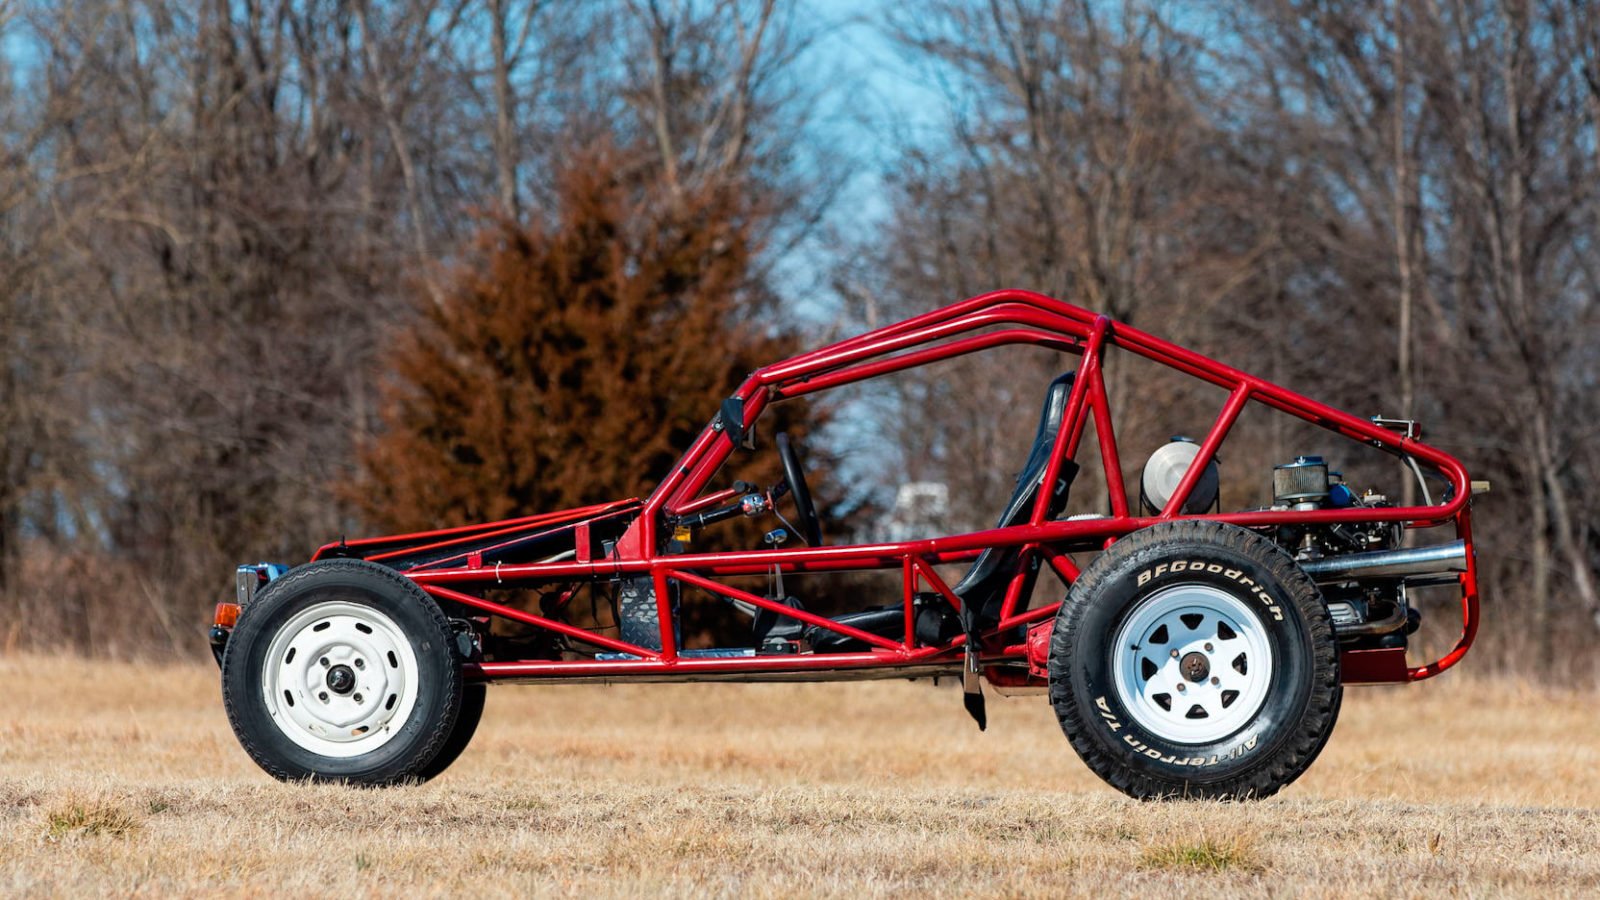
(980, 323)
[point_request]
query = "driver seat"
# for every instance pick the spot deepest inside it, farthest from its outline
(983, 589)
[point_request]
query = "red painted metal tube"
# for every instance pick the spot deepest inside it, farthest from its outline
(694, 472)
(1208, 451)
(516, 535)
(809, 618)
(912, 359)
(938, 584)
(1300, 406)
(1014, 597)
(1015, 306)
(1078, 407)
(1071, 426)
(707, 501)
(1029, 617)
(1006, 624)
(806, 662)
(932, 317)
(870, 556)
(669, 634)
(1005, 314)
(1469, 611)
(1072, 315)
(509, 612)
(1106, 437)
(1063, 565)
(1122, 336)
(468, 532)
(908, 590)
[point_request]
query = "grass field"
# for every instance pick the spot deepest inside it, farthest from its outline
(123, 779)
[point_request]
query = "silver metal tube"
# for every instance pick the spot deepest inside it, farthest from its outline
(1416, 561)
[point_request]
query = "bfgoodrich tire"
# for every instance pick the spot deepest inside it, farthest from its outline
(343, 671)
(1195, 659)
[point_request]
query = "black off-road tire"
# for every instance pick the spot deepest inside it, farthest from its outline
(415, 743)
(473, 697)
(1267, 751)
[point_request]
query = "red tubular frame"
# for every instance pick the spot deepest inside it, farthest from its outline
(980, 323)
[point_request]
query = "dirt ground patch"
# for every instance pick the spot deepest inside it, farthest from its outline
(125, 779)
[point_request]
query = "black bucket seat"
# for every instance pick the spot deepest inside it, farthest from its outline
(982, 590)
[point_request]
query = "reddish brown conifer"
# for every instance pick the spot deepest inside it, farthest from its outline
(571, 362)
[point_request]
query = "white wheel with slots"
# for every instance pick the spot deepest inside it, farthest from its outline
(346, 671)
(339, 679)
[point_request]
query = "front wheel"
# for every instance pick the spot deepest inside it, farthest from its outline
(473, 698)
(343, 671)
(1195, 659)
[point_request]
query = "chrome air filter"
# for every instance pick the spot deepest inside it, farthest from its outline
(1303, 481)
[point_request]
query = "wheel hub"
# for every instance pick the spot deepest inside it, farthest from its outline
(1194, 666)
(341, 679)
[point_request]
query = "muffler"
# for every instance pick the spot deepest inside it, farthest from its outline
(1414, 562)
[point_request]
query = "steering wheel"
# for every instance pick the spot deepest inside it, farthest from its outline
(805, 509)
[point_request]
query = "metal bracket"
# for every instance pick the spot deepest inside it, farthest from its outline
(972, 688)
(730, 419)
(1410, 428)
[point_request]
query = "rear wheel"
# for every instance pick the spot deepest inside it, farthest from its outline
(1195, 659)
(343, 671)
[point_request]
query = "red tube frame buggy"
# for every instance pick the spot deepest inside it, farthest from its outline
(460, 561)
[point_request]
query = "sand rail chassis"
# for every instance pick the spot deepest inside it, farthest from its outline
(627, 540)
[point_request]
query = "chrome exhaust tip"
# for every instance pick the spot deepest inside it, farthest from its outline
(1413, 562)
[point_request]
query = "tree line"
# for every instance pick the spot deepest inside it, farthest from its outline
(1390, 206)
(261, 262)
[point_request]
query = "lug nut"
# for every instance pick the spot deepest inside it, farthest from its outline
(1181, 688)
(356, 698)
(1174, 654)
(361, 664)
(323, 696)
(1209, 648)
(1215, 681)
(324, 662)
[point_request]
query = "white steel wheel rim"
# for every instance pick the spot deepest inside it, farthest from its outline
(340, 679)
(1178, 633)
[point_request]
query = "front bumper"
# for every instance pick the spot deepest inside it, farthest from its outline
(248, 580)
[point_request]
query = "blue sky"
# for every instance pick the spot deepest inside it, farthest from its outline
(874, 103)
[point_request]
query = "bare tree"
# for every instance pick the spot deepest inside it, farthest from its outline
(213, 216)
(1079, 162)
(1385, 204)
(719, 90)
(1458, 187)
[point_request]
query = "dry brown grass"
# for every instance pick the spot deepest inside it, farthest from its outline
(123, 779)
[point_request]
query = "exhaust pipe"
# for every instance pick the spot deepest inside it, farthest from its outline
(1415, 562)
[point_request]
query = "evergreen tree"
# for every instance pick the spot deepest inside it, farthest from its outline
(573, 360)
